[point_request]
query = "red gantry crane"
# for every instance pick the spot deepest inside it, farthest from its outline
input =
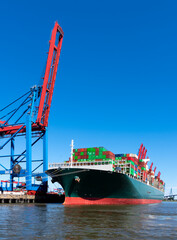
(35, 105)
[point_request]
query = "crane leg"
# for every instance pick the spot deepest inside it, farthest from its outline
(11, 163)
(28, 153)
(45, 158)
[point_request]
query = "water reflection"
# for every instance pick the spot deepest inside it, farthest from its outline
(55, 221)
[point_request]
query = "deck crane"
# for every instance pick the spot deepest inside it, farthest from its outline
(139, 153)
(150, 169)
(142, 153)
(158, 175)
(35, 107)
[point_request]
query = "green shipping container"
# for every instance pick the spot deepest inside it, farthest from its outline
(91, 150)
(102, 149)
(143, 168)
(129, 161)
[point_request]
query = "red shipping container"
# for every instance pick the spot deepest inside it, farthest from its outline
(108, 152)
(110, 156)
(97, 152)
(99, 160)
(142, 164)
(133, 160)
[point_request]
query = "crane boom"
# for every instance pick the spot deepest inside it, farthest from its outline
(144, 156)
(35, 92)
(140, 151)
(151, 167)
(50, 76)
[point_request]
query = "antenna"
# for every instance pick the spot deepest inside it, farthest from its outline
(72, 147)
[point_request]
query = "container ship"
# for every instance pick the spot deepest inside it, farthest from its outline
(98, 176)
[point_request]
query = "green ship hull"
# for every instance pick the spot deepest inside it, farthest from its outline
(86, 186)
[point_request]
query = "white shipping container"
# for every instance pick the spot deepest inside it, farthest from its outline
(133, 155)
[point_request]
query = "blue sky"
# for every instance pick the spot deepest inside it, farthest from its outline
(116, 83)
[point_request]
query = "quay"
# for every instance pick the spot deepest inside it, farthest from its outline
(16, 198)
(12, 197)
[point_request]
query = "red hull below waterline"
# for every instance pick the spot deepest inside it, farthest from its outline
(108, 201)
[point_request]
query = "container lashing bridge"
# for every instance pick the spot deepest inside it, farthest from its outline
(27, 117)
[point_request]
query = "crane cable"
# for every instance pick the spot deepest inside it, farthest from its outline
(14, 101)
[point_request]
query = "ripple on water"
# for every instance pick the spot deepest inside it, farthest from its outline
(55, 221)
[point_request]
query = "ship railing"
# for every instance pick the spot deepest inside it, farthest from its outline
(75, 164)
(57, 165)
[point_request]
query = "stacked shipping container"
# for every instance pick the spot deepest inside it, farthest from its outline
(129, 163)
(126, 163)
(96, 154)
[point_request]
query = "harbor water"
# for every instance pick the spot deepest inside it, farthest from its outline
(56, 221)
